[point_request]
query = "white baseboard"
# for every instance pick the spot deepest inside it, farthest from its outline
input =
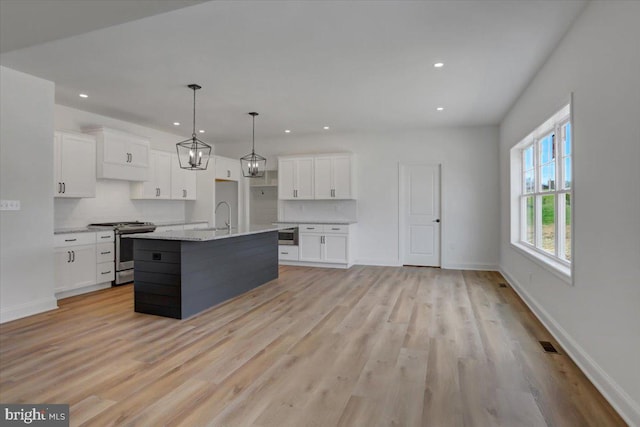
(471, 266)
(379, 262)
(628, 409)
(80, 291)
(314, 264)
(27, 309)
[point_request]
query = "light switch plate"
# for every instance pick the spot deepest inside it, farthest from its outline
(9, 205)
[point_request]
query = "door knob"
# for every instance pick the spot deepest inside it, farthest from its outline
(436, 220)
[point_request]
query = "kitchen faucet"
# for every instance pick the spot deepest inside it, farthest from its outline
(228, 222)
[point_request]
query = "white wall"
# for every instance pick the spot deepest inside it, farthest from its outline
(263, 205)
(227, 191)
(470, 186)
(26, 173)
(597, 319)
(112, 202)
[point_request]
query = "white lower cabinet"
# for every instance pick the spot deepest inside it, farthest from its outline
(83, 260)
(310, 247)
(336, 248)
(106, 271)
(328, 245)
(288, 253)
(75, 267)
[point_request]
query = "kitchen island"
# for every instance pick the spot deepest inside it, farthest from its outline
(181, 273)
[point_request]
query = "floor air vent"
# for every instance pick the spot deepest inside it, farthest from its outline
(548, 347)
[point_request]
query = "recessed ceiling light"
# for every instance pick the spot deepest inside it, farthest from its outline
(201, 131)
(176, 123)
(83, 95)
(439, 64)
(287, 131)
(440, 108)
(326, 128)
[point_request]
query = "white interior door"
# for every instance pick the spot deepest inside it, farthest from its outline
(420, 214)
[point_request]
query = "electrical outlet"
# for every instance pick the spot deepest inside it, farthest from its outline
(9, 205)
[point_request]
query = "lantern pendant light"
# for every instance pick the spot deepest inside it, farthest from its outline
(193, 154)
(253, 165)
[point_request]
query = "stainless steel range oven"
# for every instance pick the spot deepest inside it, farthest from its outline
(124, 247)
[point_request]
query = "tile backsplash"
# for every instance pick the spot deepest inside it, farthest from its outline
(112, 203)
(317, 210)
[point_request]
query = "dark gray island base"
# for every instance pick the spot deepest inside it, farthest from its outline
(179, 276)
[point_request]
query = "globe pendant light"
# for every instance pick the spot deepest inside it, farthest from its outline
(253, 165)
(193, 154)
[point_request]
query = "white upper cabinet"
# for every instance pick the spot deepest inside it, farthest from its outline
(227, 169)
(74, 165)
(334, 177)
(295, 178)
(343, 172)
(183, 181)
(121, 155)
(323, 177)
(159, 184)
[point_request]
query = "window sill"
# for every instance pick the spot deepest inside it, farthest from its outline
(558, 269)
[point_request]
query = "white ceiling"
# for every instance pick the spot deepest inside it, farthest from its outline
(351, 65)
(25, 23)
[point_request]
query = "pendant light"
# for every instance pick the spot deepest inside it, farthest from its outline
(193, 154)
(253, 165)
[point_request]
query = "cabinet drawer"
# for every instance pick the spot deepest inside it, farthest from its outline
(74, 239)
(104, 252)
(336, 228)
(288, 253)
(104, 236)
(311, 228)
(105, 272)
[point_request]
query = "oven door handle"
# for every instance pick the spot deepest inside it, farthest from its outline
(117, 254)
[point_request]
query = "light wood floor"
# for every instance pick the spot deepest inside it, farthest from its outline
(318, 347)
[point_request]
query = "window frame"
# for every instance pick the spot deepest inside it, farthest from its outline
(557, 261)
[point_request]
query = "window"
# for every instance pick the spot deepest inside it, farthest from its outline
(542, 193)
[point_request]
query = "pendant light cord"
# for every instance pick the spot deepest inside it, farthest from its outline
(193, 134)
(253, 145)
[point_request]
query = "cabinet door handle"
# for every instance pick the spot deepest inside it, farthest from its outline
(105, 237)
(130, 158)
(228, 174)
(284, 253)
(335, 229)
(64, 188)
(68, 256)
(106, 272)
(184, 193)
(59, 187)
(311, 228)
(70, 240)
(105, 253)
(73, 256)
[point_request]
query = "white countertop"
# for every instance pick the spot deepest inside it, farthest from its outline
(203, 235)
(167, 223)
(66, 230)
(317, 222)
